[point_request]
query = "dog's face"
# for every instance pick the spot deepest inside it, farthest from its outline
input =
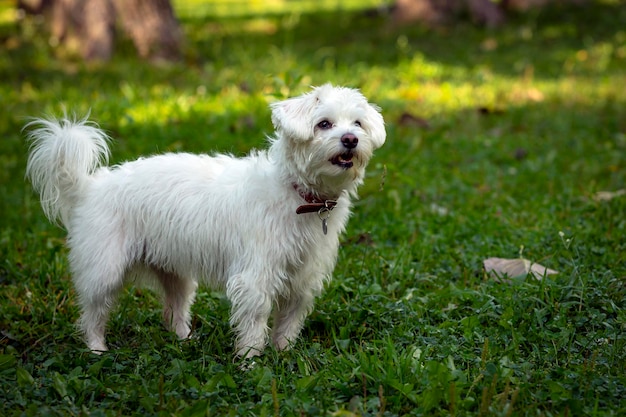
(331, 134)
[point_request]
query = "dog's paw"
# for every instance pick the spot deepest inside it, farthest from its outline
(282, 343)
(97, 348)
(247, 364)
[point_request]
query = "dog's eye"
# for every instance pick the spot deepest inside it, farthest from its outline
(357, 123)
(324, 124)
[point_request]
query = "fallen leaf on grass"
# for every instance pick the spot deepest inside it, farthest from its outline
(608, 195)
(410, 120)
(504, 270)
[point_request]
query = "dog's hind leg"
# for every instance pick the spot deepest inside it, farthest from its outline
(289, 318)
(179, 294)
(96, 301)
(98, 269)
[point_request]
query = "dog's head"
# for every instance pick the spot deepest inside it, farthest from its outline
(328, 135)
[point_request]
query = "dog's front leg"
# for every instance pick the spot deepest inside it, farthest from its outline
(289, 319)
(250, 312)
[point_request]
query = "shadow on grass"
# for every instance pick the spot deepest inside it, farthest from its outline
(549, 39)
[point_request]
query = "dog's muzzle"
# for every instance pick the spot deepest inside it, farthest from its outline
(344, 160)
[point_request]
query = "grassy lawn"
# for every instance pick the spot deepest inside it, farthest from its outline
(499, 142)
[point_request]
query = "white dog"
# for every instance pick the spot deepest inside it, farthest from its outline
(264, 228)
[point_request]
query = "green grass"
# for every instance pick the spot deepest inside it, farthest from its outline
(524, 124)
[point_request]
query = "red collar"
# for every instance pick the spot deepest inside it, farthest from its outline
(315, 203)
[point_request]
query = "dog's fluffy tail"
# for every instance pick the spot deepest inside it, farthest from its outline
(63, 155)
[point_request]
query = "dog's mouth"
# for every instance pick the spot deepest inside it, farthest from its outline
(343, 160)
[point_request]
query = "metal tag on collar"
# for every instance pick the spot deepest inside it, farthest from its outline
(324, 214)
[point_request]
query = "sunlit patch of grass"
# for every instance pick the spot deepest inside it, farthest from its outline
(8, 15)
(241, 8)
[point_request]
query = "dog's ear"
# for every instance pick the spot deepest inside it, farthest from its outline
(293, 117)
(375, 124)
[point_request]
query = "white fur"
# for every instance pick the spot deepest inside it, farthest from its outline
(176, 220)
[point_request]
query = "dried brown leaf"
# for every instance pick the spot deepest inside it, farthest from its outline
(608, 195)
(410, 120)
(504, 270)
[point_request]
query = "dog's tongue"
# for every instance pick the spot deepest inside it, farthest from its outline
(343, 160)
(345, 157)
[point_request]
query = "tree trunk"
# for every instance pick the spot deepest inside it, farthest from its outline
(486, 12)
(150, 24)
(98, 28)
(65, 16)
(436, 12)
(426, 11)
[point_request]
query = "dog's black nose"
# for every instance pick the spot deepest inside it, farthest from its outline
(349, 140)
